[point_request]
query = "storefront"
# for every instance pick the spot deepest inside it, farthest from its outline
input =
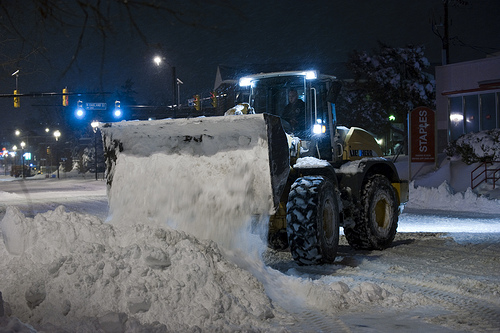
(467, 98)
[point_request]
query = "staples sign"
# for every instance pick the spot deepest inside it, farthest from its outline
(423, 129)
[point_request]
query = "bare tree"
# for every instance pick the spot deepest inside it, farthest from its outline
(25, 26)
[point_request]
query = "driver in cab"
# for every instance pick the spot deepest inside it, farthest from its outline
(294, 114)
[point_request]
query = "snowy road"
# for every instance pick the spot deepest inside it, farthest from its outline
(34, 196)
(441, 274)
(440, 282)
(445, 263)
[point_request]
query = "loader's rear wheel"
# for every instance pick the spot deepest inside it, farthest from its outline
(375, 227)
(313, 220)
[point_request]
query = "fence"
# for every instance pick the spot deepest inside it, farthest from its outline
(483, 173)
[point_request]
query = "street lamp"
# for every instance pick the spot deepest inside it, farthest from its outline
(57, 134)
(157, 60)
(175, 81)
(17, 133)
(14, 156)
(47, 170)
(23, 144)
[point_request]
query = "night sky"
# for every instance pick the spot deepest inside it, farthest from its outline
(234, 34)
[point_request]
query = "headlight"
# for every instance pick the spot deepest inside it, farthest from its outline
(319, 129)
(456, 117)
(245, 82)
(311, 75)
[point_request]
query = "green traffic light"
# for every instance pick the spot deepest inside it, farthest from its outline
(392, 117)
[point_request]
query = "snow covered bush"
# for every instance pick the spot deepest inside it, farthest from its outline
(388, 81)
(482, 146)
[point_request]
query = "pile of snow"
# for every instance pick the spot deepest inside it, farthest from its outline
(444, 197)
(74, 271)
(448, 187)
(310, 162)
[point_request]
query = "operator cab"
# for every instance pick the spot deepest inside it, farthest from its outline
(313, 119)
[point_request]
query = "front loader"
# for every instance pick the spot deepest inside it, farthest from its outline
(310, 182)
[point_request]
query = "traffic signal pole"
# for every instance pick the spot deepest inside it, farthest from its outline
(16, 91)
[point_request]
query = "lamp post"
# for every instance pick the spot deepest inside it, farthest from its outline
(5, 155)
(16, 73)
(23, 144)
(17, 133)
(94, 125)
(14, 157)
(47, 169)
(175, 81)
(57, 134)
(179, 82)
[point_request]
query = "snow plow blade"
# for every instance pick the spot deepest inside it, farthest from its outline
(228, 149)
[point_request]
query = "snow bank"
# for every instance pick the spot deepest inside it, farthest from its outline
(448, 187)
(6, 196)
(445, 198)
(74, 272)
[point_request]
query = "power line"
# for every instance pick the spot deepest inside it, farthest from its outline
(51, 94)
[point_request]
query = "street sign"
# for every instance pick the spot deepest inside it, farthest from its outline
(96, 106)
(422, 135)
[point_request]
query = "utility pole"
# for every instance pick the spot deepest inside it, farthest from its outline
(446, 37)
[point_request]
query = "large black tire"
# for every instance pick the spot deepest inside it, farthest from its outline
(313, 221)
(376, 224)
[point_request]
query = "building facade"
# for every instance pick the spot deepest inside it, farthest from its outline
(467, 98)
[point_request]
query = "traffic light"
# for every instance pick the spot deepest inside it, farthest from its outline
(197, 102)
(213, 97)
(80, 112)
(17, 101)
(65, 99)
(117, 112)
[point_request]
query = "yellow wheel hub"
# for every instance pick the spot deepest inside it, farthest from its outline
(382, 213)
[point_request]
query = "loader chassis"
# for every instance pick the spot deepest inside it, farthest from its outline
(358, 190)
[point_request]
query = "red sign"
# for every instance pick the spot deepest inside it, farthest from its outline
(423, 129)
